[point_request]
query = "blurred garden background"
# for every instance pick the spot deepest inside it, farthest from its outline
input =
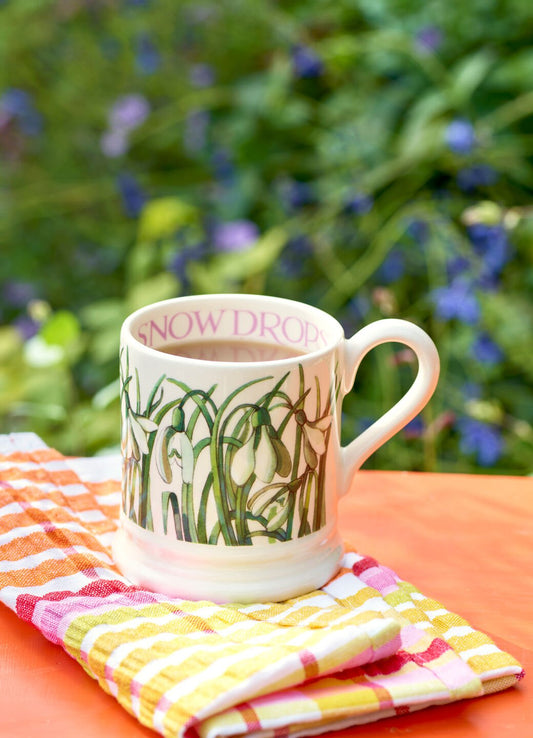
(371, 157)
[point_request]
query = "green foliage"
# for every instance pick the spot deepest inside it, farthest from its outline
(381, 152)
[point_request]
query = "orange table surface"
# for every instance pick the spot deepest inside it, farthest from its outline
(462, 539)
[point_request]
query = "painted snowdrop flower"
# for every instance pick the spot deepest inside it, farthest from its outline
(175, 447)
(136, 431)
(314, 436)
(263, 452)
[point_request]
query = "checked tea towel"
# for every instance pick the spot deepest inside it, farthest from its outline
(365, 646)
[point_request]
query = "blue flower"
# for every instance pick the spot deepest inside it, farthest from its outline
(477, 175)
(491, 243)
(295, 256)
(460, 136)
(223, 167)
(415, 428)
(355, 313)
(236, 235)
(471, 390)
(486, 351)
(392, 268)
(133, 196)
(297, 194)
(147, 56)
(18, 104)
(456, 301)
(359, 204)
(457, 265)
(481, 439)
(306, 63)
(418, 230)
(180, 260)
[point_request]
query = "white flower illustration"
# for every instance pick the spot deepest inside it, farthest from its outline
(263, 453)
(175, 447)
(314, 436)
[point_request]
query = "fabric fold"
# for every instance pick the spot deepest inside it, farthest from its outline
(365, 646)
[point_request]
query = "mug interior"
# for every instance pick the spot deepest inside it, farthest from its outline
(245, 320)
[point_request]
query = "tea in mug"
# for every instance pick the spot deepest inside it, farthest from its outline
(231, 350)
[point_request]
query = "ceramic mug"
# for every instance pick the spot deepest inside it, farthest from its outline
(232, 461)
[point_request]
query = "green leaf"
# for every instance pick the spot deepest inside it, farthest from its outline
(468, 75)
(163, 217)
(61, 329)
(160, 287)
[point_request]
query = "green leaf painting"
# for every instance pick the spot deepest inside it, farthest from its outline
(227, 471)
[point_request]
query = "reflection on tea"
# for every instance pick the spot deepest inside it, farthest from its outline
(231, 350)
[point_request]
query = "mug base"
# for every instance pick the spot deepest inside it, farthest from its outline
(244, 574)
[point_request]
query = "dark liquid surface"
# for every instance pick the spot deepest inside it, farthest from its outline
(229, 350)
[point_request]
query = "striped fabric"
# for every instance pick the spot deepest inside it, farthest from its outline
(366, 646)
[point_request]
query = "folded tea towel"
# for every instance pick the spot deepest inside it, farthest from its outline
(365, 646)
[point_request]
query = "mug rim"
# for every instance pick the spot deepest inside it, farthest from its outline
(126, 333)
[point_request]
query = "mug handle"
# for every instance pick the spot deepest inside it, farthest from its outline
(355, 349)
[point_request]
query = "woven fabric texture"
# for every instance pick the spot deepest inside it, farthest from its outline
(365, 646)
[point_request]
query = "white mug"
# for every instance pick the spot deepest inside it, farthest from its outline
(232, 461)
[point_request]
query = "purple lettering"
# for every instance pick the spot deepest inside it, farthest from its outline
(311, 333)
(270, 328)
(285, 329)
(162, 331)
(141, 335)
(209, 321)
(186, 329)
(238, 327)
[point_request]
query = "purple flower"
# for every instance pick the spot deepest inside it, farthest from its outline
(477, 175)
(359, 204)
(202, 75)
(237, 235)
(17, 293)
(195, 133)
(460, 136)
(114, 143)
(306, 63)
(429, 38)
(129, 112)
(133, 196)
(486, 351)
(456, 301)
(26, 327)
(481, 439)
(18, 105)
(147, 56)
